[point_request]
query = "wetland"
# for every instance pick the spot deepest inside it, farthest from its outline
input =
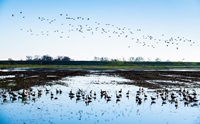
(99, 96)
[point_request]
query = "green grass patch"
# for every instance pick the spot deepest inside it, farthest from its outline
(111, 66)
(99, 65)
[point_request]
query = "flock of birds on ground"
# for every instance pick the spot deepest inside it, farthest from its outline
(166, 96)
(64, 26)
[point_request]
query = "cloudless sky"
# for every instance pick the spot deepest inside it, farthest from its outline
(25, 34)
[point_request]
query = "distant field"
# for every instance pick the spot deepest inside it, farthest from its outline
(98, 64)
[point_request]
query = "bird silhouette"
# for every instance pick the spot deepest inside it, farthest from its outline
(84, 26)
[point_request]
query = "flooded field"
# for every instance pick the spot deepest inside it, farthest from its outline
(99, 97)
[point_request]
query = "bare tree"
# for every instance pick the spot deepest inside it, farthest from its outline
(97, 58)
(114, 60)
(65, 58)
(139, 59)
(29, 58)
(62, 58)
(104, 59)
(36, 58)
(47, 58)
(132, 59)
(59, 58)
(10, 59)
(157, 59)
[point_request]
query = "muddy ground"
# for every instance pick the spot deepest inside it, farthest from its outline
(161, 79)
(17, 80)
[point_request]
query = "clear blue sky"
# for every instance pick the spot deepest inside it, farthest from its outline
(173, 24)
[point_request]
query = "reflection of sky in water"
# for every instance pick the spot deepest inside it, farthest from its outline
(8, 76)
(64, 110)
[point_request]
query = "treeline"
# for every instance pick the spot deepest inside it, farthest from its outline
(66, 59)
(47, 58)
(131, 59)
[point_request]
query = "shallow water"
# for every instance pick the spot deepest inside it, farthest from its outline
(63, 109)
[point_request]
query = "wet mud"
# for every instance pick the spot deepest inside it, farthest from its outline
(17, 80)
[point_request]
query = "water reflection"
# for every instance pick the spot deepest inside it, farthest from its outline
(99, 99)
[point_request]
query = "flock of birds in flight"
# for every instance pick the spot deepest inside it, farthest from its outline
(86, 27)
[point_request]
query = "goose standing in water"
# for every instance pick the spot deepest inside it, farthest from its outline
(153, 98)
(47, 90)
(176, 103)
(52, 93)
(120, 91)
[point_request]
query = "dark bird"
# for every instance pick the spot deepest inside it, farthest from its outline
(153, 98)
